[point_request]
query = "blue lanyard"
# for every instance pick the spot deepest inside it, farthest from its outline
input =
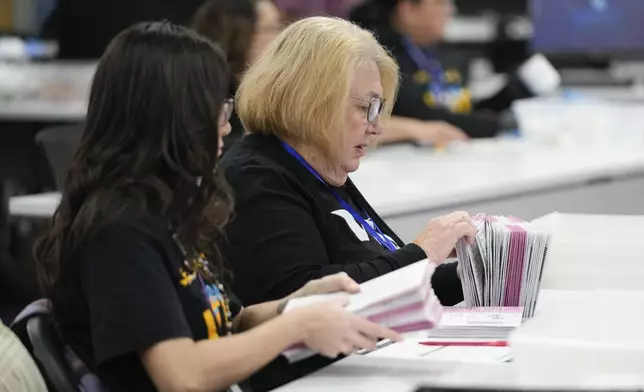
(429, 64)
(374, 230)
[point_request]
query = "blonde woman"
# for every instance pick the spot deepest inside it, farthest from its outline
(313, 103)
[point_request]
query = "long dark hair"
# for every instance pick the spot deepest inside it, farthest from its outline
(149, 146)
(231, 24)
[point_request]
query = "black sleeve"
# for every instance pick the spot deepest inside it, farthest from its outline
(514, 89)
(445, 281)
(287, 250)
(410, 103)
(447, 285)
(131, 296)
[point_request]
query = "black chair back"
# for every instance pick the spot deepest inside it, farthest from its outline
(49, 354)
(60, 144)
(35, 328)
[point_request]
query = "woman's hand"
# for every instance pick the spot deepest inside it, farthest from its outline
(331, 330)
(441, 234)
(436, 132)
(327, 285)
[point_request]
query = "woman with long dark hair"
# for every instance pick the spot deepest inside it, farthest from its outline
(137, 285)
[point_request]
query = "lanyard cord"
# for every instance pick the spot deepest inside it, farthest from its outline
(374, 230)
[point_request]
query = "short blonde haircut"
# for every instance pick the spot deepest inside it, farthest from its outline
(299, 89)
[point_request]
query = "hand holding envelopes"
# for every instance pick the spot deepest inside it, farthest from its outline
(402, 300)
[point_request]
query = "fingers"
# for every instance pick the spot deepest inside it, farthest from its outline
(451, 133)
(345, 283)
(375, 331)
(444, 136)
(460, 216)
(440, 132)
(360, 341)
(329, 353)
(463, 229)
(459, 134)
(462, 225)
(340, 301)
(336, 283)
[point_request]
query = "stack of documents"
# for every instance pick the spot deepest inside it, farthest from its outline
(503, 267)
(402, 300)
(494, 323)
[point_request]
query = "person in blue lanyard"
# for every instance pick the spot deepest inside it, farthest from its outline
(312, 109)
(313, 104)
(432, 91)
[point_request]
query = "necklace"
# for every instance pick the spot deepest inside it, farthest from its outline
(200, 267)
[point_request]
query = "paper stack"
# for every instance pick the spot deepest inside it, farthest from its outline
(494, 323)
(503, 267)
(402, 300)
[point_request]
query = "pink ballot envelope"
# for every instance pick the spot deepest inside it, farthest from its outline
(402, 300)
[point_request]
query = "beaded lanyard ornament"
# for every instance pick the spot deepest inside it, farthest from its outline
(201, 268)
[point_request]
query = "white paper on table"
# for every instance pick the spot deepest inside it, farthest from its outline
(412, 349)
(407, 349)
(482, 317)
(471, 354)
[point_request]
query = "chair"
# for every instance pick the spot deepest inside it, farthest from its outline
(59, 144)
(35, 328)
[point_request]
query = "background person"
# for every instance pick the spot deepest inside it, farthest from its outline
(432, 92)
(243, 29)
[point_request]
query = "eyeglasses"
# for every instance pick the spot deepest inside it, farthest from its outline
(226, 111)
(374, 110)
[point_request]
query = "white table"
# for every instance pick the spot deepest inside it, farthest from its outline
(374, 374)
(402, 374)
(409, 185)
(56, 91)
(627, 94)
(40, 205)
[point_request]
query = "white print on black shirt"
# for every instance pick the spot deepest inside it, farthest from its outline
(353, 225)
(358, 230)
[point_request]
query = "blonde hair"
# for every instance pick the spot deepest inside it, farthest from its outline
(299, 88)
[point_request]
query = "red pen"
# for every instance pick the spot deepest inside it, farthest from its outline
(494, 343)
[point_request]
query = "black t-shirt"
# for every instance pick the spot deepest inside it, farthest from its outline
(289, 228)
(128, 288)
(415, 101)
